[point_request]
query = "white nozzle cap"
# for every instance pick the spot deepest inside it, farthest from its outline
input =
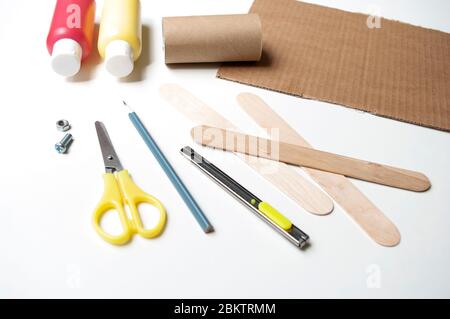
(66, 57)
(119, 58)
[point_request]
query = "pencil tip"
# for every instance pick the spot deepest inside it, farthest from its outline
(129, 108)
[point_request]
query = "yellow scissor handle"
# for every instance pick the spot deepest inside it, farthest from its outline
(112, 200)
(120, 190)
(134, 196)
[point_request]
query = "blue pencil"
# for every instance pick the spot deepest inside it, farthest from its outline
(170, 172)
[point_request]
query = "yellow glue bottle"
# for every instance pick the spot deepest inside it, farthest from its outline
(120, 37)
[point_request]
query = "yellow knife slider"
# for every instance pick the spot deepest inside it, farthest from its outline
(274, 215)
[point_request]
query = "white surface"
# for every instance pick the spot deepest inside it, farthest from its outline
(48, 247)
(119, 59)
(66, 57)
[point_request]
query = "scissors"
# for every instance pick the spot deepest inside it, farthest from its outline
(120, 191)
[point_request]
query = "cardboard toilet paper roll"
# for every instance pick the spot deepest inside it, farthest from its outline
(222, 38)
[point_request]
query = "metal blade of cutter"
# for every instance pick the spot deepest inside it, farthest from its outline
(294, 235)
(110, 158)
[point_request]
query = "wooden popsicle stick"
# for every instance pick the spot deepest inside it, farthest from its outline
(302, 156)
(371, 220)
(286, 179)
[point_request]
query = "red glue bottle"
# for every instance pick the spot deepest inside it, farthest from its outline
(71, 35)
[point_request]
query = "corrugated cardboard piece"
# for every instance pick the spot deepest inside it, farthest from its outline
(398, 71)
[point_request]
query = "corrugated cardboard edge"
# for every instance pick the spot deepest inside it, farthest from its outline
(354, 107)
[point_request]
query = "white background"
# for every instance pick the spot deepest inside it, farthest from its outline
(48, 247)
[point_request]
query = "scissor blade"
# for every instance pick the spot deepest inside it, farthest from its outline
(112, 162)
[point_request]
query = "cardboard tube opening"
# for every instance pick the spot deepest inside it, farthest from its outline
(221, 38)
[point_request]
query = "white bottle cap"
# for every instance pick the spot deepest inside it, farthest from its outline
(66, 57)
(119, 58)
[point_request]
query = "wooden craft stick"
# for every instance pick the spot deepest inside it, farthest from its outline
(371, 220)
(302, 156)
(286, 179)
